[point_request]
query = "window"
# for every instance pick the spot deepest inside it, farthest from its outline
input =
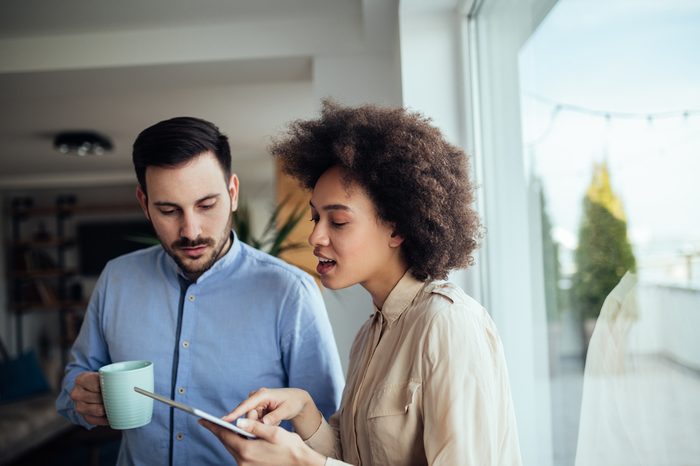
(587, 115)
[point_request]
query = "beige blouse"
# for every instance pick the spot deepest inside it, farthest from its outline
(427, 385)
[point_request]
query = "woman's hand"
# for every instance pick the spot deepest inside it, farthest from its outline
(274, 445)
(272, 406)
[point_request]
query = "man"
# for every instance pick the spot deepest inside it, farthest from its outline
(217, 317)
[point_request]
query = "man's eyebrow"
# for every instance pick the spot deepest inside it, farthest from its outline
(208, 197)
(173, 204)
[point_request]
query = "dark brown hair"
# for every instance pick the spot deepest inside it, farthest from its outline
(417, 180)
(172, 142)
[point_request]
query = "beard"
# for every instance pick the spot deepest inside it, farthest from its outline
(194, 268)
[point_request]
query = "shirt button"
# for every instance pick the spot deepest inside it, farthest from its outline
(185, 344)
(181, 390)
(191, 297)
(180, 436)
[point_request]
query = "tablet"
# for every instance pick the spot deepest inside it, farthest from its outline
(195, 412)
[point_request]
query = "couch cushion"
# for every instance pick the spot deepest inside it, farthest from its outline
(22, 377)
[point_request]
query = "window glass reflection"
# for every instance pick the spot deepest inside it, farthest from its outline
(611, 135)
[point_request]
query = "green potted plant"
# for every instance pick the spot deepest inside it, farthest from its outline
(274, 236)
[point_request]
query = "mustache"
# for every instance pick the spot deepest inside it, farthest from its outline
(192, 243)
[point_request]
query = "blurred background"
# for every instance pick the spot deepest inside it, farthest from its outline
(581, 120)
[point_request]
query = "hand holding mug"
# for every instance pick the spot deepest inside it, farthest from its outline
(87, 397)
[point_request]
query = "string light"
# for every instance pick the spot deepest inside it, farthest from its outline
(558, 107)
(614, 114)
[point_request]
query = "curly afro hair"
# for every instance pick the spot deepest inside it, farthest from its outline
(417, 180)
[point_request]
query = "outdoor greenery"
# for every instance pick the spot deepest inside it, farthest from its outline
(550, 258)
(604, 252)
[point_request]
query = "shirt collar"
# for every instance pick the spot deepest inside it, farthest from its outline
(401, 296)
(223, 261)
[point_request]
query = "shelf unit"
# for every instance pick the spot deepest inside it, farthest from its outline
(39, 277)
(38, 273)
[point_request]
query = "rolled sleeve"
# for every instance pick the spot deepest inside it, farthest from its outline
(334, 462)
(325, 440)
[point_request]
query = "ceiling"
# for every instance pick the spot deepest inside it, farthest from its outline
(23, 18)
(118, 67)
(255, 98)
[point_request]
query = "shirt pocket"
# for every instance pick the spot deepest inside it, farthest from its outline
(394, 424)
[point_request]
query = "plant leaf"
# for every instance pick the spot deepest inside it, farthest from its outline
(283, 231)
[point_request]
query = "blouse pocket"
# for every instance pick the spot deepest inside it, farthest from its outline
(394, 423)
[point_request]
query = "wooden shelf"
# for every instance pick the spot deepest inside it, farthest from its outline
(52, 243)
(37, 274)
(82, 209)
(43, 274)
(49, 307)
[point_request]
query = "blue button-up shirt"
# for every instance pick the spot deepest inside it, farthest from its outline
(250, 321)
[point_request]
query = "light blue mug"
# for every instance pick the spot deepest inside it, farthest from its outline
(125, 408)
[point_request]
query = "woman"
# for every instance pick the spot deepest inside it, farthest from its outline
(427, 381)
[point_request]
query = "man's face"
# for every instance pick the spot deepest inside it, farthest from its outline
(190, 208)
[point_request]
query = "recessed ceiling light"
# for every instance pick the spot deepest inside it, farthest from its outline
(82, 143)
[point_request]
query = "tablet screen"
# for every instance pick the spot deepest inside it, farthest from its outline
(195, 412)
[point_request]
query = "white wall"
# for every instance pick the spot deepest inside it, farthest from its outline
(373, 76)
(669, 317)
(347, 309)
(434, 83)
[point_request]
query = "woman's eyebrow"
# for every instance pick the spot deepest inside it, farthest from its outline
(332, 207)
(336, 207)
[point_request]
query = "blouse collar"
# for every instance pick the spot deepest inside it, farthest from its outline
(401, 296)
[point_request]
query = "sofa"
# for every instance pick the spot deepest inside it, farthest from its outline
(28, 423)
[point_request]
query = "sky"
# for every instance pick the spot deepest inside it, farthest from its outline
(636, 57)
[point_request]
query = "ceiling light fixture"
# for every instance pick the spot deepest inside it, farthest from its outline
(81, 143)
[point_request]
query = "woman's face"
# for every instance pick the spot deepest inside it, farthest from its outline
(350, 241)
